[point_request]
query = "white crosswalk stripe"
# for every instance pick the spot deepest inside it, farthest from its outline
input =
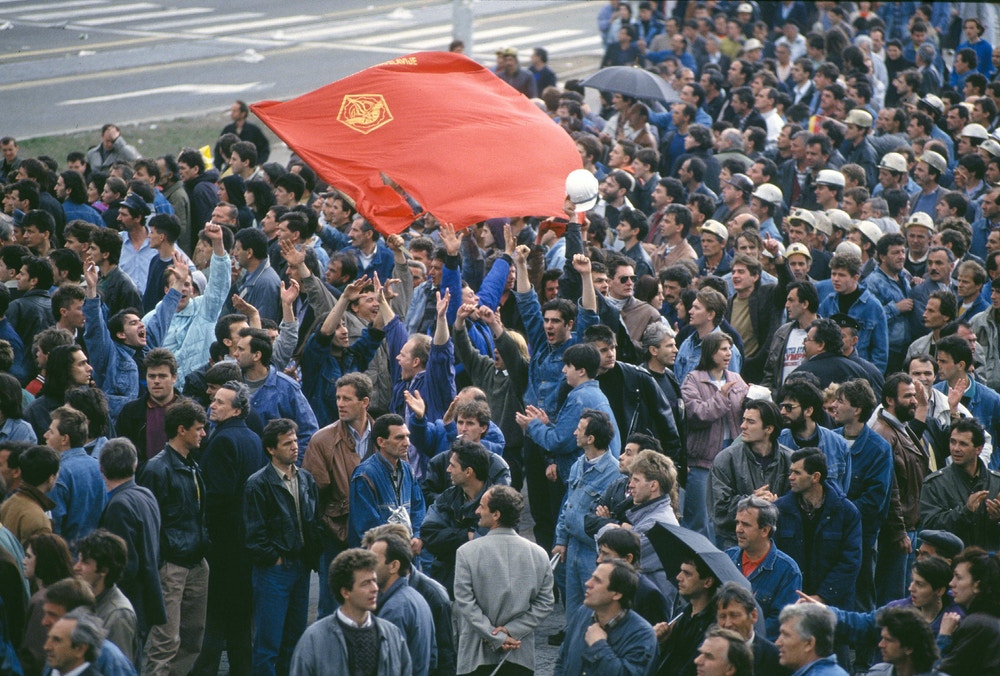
(255, 25)
(106, 9)
(35, 7)
(200, 21)
(141, 19)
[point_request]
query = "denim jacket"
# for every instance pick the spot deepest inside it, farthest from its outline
(774, 583)
(587, 481)
(545, 369)
(375, 501)
(873, 338)
(79, 495)
(888, 292)
(834, 447)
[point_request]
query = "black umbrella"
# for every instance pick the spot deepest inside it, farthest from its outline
(675, 545)
(632, 81)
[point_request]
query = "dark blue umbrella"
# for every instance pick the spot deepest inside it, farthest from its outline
(631, 81)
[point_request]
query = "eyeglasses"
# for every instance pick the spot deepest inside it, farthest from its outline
(626, 278)
(789, 407)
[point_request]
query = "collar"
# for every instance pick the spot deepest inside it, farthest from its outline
(613, 622)
(73, 672)
(294, 474)
(351, 623)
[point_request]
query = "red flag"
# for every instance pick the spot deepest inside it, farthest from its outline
(463, 143)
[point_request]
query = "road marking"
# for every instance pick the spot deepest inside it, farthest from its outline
(196, 89)
(569, 45)
(44, 16)
(254, 25)
(534, 39)
(165, 14)
(201, 20)
(477, 35)
(53, 5)
(310, 33)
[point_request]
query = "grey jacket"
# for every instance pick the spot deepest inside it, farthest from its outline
(501, 579)
(736, 475)
(323, 650)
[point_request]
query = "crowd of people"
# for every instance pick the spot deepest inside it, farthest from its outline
(767, 323)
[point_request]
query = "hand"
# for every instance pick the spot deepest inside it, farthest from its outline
(594, 634)
(569, 209)
(509, 243)
(442, 303)
(662, 631)
(581, 264)
(491, 319)
(449, 415)
(552, 473)
(949, 622)
(294, 257)
(921, 395)
(993, 509)
(521, 253)
(916, 281)
(415, 402)
(353, 290)
(905, 545)
(805, 598)
(290, 292)
(603, 511)
(416, 546)
(387, 291)
(559, 550)
(279, 561)
(771, 245)
(465, 310)
(394, 242)
(905, 305)
(975, 500)
(213, 232)
(451, 240)
(522, 420)
(724, 390)
(243, 307)
(90, 274)
(764, 492)
(956, 393)
(180, 271)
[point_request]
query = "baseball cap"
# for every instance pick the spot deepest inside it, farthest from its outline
(136, 204)
(717, 229)
(797, 248)
(893, 162)
(741, 182)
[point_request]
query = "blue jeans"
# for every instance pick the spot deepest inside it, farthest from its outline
(580, 563)
(327, 601)
(281, 605)
(892, 572)
(695, 512)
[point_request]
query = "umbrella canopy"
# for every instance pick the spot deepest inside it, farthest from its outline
(631, 81)
(674, 545)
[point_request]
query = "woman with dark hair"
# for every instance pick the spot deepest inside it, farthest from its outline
(648, 290)
(259, 197)
(713, 401)
(835, 42)
(94, 404)
(972, 645)
(46, 561)
(683, 308)
(67, 367)
(13, 427)
(95, 188)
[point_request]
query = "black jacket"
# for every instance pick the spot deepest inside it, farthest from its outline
(131, 424)
(446, 527)
(179, 489)
(642, 407)
(765, 305)
(832, 368)
(231, 455)
(133, 514)
(270, 520)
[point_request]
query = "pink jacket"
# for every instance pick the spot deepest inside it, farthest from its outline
(711, 417)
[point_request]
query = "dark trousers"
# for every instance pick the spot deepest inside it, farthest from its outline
(544, 497)
(507, 669)
(514, 455)
(228, 617)
(281, 606)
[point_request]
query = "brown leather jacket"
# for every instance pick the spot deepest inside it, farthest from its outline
(331, 459)
(910, 465)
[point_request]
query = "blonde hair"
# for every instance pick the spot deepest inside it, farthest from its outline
(522, 345)
(661, 469)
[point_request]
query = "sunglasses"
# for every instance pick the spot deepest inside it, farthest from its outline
(788, 407)
(626, 278)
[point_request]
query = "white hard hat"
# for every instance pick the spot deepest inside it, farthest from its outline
(581, 188)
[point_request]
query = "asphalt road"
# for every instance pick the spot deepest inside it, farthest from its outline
(75, 64)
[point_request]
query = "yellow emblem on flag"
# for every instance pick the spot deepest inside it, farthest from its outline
(364, 112)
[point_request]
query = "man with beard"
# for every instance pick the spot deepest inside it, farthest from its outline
(911, 463)
(801, 407)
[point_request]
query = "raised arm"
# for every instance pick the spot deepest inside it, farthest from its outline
(351, 293)
(588, 297)
(441, 335)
